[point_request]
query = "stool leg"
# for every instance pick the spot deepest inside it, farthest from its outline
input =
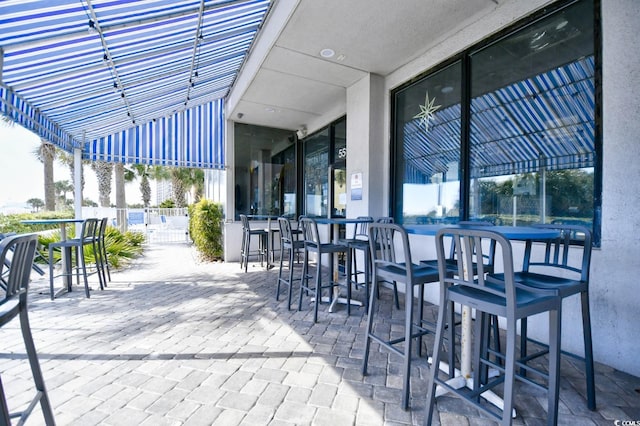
(5, 418)
(350, 261)
(367, 338)
(291, 260)
(35, 367)
(408, 321)
(279, 274)
(51, 272)
(588, 352)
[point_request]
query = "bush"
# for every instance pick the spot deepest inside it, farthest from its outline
(205, 228)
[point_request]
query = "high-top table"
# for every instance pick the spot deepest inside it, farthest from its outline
(517, 233)
(66, 254)
(336, 222)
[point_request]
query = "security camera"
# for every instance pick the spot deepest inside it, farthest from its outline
(240, 115)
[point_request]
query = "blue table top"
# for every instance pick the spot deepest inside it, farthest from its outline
(50, 221)
(510, 232)
(340, 220)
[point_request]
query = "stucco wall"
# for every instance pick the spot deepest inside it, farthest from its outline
(615, 292)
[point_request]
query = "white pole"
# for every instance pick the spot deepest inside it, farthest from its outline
(77, 190)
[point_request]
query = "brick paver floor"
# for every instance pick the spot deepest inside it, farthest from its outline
(176, 341)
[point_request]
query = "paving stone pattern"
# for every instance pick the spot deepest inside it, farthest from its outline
(177, 341)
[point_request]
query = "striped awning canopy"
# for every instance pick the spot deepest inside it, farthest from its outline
(127, 80)
(544, 122)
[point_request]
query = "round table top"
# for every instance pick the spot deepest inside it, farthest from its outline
(510, 232)
(340, 220)
(50, 221)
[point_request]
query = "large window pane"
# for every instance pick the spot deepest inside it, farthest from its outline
(265, 171)
(316, 173)
(532, 134)
(427, 134)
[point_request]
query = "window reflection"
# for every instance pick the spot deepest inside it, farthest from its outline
(265, 171)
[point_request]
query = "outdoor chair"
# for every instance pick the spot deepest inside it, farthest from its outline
(386, 267)
(76, 247)
(14, 304)
(312, 244)
(358, 241)
(292, 245)
(560, 268)
(489, 295)
(245, 251)
(102, 249)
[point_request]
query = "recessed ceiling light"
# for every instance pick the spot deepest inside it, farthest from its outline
(269, 109)
(327, 53)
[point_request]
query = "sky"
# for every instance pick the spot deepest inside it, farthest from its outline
(22, 175)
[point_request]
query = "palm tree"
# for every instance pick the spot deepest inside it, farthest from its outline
(67, 159)
(121, 200)
(35, 203)
(61, 188)
(103, 175)
(46, 154)
(144, 172)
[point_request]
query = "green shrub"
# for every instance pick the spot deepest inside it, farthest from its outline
(205, 228)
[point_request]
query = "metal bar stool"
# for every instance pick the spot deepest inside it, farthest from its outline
(246, 252)
(14, 304)
(490, 295)
(292, 245)
(386, 267)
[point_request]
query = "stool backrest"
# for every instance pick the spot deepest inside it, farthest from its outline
(245, 222)
(286, 234)
(470, 246)
(361, 229)
(22, 248)
(571, 251)
(90, 229)
(310, 233)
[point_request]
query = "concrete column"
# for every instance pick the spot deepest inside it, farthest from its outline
(367, 146)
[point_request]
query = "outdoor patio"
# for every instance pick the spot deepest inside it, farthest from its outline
(176, 341)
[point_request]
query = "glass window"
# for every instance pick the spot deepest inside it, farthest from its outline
(325, 154)
(265, 171)
(316, 173)
(427, 188)
(523, 133)
(533, 123)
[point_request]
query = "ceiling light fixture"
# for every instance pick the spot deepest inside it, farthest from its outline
(327, 53)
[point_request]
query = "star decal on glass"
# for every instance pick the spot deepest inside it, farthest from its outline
(426, 111)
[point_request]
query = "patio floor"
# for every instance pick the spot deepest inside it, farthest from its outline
(175, 341)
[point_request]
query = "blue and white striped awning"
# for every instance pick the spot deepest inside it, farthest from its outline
(544, 122)
(127, 80)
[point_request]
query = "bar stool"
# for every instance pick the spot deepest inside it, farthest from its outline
(14, 304)
(358, 241)
(571, 254)
(490, 296)
(312, 244)
(88, 237)
(292, 245)
(247, 233)
(386, 267)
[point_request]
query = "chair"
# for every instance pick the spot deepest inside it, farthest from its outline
(15, 304)
(561, 268)
(88, 237)
(102, 249)
(490, 296)
(312, 244)
(245, 251)
(359, 240)
(292, 245)
(386, 267)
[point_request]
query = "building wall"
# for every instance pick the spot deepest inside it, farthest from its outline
(615, 270)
